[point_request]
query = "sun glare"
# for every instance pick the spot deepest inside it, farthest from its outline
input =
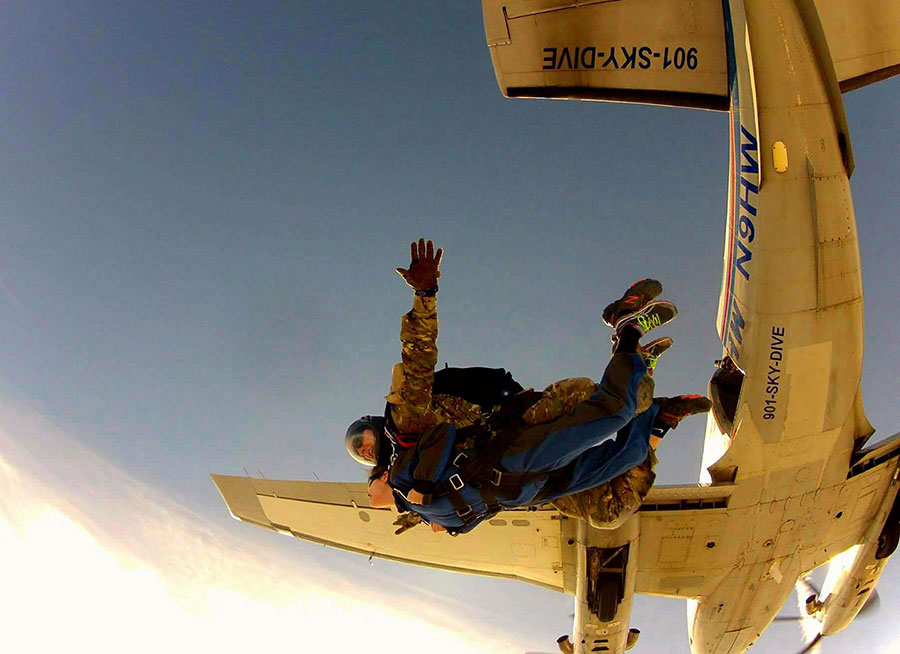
(71, 581)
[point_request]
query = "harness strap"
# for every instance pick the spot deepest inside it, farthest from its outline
(481, 469)
(498, 481)
(503, 479)
(406, 441)
(490, 500)
(463, 510)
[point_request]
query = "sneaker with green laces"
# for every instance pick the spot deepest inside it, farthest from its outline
(637, 296)
(653, 350)
(653, 315)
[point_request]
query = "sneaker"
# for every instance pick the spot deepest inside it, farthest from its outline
(673, 410)
(637, 295)
(648, 317)
(653, 350)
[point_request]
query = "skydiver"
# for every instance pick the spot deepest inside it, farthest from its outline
(604, 505)
(414, 410)
(455, 485)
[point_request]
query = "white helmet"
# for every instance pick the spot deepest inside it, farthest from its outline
(354, 438)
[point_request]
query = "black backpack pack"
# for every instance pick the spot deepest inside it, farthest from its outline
(486, 387)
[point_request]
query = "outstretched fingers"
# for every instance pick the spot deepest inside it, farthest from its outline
(424, 264)
(424, 250)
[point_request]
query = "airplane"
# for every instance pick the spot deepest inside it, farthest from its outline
(790, 483)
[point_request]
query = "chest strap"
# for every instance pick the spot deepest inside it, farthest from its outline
(479, 465)
(490, 483)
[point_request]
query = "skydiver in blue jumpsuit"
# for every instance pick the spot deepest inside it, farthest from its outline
(442, 476)
(596, 442)
(584, 443)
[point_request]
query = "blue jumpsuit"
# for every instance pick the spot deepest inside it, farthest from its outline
(584, 443)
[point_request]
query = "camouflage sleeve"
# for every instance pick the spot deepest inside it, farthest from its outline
(609, 505)
(559, 398)
(411, 388)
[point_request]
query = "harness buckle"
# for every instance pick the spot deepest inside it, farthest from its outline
(457, 483)
(459, 459)
(496, 476)
(466, 516)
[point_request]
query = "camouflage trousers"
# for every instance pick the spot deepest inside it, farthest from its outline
(610, 504)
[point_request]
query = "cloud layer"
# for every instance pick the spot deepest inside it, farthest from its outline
(93, 557)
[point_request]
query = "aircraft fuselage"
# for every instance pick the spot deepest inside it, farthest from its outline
(790, 316)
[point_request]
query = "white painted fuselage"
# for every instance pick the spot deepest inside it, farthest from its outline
(790, 317)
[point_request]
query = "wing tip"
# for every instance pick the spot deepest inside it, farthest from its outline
(239, 495)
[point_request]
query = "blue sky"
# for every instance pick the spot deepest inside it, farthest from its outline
(203, 206)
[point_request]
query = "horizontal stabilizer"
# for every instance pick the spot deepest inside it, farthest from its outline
(864, 39)
(666, 52)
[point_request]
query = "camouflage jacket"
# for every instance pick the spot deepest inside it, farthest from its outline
(608, 505)
(414, 408)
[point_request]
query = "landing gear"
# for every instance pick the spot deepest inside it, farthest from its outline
(606, 597)
(890, 534)
(606, 580)
(633, 635)
(813, 605)
(888, 540)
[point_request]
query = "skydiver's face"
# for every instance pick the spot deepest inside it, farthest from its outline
(380, 494)
(367, 449)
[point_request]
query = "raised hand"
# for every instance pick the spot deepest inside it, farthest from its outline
(424, 266)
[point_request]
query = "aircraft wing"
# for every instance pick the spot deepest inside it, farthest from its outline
(864, 39)
(676, 523)
(685, 533)
(522, 545)
(665, 52)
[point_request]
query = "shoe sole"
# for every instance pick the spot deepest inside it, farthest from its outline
(647, 288)
(660, 345)
(655, 349)
(653, 315)
(676, 409)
